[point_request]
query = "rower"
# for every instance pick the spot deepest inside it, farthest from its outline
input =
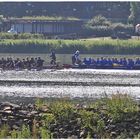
(40, 63)
(27, 64)
(53, 58)
(137, 62)
(75, 58)
(18, 63)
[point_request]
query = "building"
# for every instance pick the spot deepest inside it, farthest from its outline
(47, 27)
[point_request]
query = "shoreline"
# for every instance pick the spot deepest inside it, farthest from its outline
(115, 117)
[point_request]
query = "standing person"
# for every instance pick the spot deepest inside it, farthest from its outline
(76, 58)
(53, 57)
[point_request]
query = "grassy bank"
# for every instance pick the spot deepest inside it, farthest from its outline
(115, 117)
(99, 46)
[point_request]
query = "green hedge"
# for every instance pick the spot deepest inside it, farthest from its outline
(4, 35)
(97, 31)
(104, 31)
(99, 46)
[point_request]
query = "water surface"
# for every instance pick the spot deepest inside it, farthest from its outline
(63, 83)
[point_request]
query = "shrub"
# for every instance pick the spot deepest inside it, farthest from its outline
(4, 131)
(120, 104)
(4, 35)
(98, 21)
(62, 110)
(14, 134)
(45, 134)
(100, 26)
(97, 31)
(25, 132)
(119, 27)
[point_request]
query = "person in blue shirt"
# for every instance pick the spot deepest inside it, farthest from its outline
(109, 62)
(124, 62)
(137, 62)
(116, 61)
(102, 61)
(130, 64)
(85, 61)
(98, 61)
(121, 61)
(105, 61)
(89, 62)
(93, 62)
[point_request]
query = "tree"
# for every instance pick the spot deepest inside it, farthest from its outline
(98, 21)
(133, 13)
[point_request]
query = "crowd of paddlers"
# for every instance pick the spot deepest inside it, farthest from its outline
(37, 62)
(129, 63)
(104, 62)
(27, 63)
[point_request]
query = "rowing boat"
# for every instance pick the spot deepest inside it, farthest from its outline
(135, 67)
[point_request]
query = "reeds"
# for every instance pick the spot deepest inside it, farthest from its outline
(99, 46)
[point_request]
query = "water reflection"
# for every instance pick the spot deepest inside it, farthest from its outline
(112, 80)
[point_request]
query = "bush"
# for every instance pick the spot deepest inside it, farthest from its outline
(119, 27)
(97, 31)
(98, 21)
(98, 119)
(4, 35)
(99, 26)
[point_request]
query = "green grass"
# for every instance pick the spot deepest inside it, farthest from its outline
(102, 46)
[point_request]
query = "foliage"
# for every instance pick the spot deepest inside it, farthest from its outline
(98, 21)
(62, 110)
(25, 132)
(45, 134)
(14, 134)
(4, 131)
(93, 119)
(97, 31)
(88, 119)
(39, 103)
(133, 13)
(4, 35)
(1, 20)
(120, 104)
(47, 119)
(95, 46)
(100, 26)
(119, 27)
(46, 18)
(137, 136)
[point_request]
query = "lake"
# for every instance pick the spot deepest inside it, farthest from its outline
(68, 83)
